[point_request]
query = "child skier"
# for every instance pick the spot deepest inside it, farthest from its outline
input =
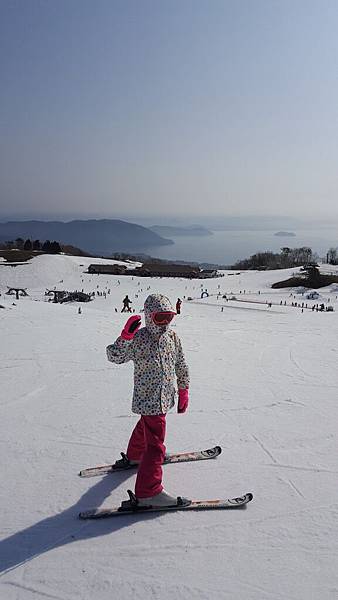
(157, 355)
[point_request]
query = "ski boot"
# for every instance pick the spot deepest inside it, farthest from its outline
(161, 500)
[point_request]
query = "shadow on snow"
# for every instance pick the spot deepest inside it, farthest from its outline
(63, 528)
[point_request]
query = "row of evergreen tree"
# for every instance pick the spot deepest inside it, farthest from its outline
(29, 245)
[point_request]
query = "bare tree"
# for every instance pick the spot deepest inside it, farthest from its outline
(332, 256)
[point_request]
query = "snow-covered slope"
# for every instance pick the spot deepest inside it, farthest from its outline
(264, 386)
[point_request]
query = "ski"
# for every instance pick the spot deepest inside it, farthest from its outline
(170, 458)
(104, 513)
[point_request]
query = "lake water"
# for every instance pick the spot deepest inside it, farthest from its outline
(226, 247)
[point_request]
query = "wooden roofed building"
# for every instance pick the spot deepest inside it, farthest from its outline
(173, 270)
(107, 269)
(167, 270)
(155, 269)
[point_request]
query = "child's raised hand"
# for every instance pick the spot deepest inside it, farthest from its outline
(131, 327)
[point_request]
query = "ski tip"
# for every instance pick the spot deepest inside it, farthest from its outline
(241, 501)
(218, 449)
(84, 473)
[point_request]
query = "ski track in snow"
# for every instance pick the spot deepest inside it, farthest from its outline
(35, 591)
(299, 468)
(267, 452)
(263, 385)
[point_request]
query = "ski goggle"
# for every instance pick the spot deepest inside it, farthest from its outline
(162, 318)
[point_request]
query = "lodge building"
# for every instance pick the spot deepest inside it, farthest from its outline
(154, 270)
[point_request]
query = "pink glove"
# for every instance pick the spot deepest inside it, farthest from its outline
(183, 400)
(131, 326)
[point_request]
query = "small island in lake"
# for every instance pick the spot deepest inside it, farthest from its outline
(285, 234)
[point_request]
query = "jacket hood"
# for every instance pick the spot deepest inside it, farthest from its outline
(156, 303)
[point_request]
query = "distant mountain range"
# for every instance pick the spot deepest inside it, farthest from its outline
(103, 236)
(225, 223)
(195, 230)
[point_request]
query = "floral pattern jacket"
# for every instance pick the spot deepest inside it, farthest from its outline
(158, 361)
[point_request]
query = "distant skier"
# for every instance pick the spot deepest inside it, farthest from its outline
(178, 306)
(158, 360)
(126, 305)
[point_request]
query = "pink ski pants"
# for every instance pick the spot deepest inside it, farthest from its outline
(146, 445)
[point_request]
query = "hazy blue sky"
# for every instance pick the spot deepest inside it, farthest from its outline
(176, 106)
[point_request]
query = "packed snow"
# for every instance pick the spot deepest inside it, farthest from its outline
(264, 386)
